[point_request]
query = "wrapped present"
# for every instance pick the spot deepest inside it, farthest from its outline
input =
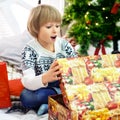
(91, 86)
(4, 87)
(58, 111)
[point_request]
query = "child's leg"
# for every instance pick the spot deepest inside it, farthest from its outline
(33, 99)
(42, 109)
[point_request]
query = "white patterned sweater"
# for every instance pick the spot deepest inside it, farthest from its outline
(37, 60)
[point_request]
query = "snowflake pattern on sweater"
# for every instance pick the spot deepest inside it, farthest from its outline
(39, 59)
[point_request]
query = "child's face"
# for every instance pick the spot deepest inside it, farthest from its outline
(49, 32)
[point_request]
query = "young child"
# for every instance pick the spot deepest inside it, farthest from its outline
(40, 68)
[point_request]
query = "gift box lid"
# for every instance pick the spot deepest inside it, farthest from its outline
(91, 83)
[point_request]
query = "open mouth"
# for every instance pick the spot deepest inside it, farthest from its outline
(53, 38)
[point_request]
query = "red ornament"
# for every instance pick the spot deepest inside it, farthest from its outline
(115, 8)
(88, 22)
(110, 37)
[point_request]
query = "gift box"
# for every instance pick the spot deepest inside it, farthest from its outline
(4, 87)
(58, 111)
(90, 86)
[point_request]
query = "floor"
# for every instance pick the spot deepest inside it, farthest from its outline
(31, 115)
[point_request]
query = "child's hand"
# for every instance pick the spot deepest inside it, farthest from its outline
(53, 74)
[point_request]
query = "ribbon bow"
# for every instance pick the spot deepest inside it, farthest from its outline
(100, 46)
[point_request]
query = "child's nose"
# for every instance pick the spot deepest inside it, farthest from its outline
(54, 29)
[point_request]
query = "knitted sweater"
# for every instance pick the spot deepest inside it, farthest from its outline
(36, 60)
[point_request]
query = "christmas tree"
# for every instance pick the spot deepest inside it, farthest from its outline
(95, 22)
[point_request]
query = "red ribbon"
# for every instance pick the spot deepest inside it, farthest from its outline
(115, 8)
(100, 47)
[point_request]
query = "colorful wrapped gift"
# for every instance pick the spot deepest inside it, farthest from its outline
(4, 87)
(91, 86)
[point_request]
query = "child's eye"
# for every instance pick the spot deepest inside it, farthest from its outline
(57, 26)
(48, 27)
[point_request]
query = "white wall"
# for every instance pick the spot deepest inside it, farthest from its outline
(59, 4)
(14, 14)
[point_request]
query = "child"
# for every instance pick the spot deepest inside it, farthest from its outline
(74, 44)
(40, 68)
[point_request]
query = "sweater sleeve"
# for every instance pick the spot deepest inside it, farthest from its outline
(30, 81)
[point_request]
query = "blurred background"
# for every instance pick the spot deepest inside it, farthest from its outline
(14, 14)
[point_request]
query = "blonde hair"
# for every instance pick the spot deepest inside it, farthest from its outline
(41, 15)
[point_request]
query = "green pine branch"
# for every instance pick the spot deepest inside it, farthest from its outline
(93, 22)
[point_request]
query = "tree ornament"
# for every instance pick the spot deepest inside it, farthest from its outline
(115, 7)
(88, 22)
(118, 23)
(110, 37)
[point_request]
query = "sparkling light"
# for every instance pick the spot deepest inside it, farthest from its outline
(103, 8)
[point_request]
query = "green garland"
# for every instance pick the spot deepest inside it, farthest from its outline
(93, 21)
